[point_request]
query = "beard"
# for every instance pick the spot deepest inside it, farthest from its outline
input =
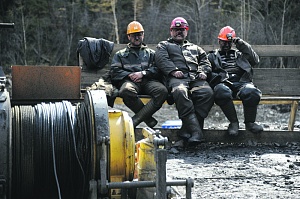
(179, 37)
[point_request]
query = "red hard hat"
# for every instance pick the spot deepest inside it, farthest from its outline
(179, 22)
(226, 34)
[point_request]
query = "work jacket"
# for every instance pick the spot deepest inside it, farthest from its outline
(246, 59)
(188, 58)
(129, 60)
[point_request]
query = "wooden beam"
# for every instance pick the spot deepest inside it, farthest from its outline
(261, 50)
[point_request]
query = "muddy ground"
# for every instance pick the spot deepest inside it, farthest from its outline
(238, 171)
(266, 170)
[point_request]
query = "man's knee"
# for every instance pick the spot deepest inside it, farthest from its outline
(250, 95)
(179, 91)
(161, 91)
(222, 94)
(127, 90)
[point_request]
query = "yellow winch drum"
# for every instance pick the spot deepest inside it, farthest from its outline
(122, 146)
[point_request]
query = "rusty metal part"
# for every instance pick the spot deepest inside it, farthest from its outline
(45, 82)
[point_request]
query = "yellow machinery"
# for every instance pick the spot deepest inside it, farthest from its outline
(56, 142)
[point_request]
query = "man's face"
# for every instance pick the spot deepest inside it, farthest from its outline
(178, 34)
(136, 39)
(225, 45)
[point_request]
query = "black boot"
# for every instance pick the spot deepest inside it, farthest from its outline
(230, 113)
(151, 122)
(250, 117)
(183, 133)
(136, 106)
(148, 110)
(200, 120)
(193, 127)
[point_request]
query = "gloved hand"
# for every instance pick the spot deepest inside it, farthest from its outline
(236, 40)
(177, 74)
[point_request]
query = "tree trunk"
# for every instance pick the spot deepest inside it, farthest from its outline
(24, 36)
(281, 65)
(113, 6)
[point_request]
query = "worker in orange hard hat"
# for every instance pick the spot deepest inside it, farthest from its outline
(232, 78)
(133, 72)
(135, 33)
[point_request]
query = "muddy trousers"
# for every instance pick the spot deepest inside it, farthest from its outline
(193, 101)
(129, 92)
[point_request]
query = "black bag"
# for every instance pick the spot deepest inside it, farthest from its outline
(95, 52)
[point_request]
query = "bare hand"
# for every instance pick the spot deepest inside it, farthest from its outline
(235, 40)
(202, 76)
(177, 74)
(136, 76)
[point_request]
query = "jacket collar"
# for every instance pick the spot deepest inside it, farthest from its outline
(143, 45)
(171, 40)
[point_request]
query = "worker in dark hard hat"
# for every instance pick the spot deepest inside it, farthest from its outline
(232, 78)
(133, 72)
(185, 67)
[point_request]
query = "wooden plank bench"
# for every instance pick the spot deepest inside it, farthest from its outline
(280, 86)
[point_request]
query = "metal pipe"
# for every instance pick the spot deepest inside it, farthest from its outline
(142, 184)
(161, 159)
(7, 25)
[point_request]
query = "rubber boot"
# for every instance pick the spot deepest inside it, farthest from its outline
(250, 117)
(193, 127)
(136, 107)
(200, 120)
(151, 122)
(144, 113)
(230, 113)
(183, 133)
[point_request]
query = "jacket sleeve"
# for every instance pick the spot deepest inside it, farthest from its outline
(163, 60)
(204, 64)
(247, 52)
(117, 72)
(152, 72)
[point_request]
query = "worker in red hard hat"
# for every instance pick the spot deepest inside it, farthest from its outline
(185, 67)
(231, 78)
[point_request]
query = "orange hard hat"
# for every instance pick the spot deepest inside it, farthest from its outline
(134, 27)
(226, 33)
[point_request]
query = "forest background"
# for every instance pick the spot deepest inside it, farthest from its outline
(47, 32)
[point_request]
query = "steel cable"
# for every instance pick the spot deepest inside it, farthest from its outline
(51, 151)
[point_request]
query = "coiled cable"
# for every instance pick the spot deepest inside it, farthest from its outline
(51, 150)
